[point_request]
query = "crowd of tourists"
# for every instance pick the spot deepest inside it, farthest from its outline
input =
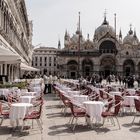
(126, 81)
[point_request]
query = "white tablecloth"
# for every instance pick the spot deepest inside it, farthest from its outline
(129, 100)
(80, 98)
(26, 99)
(71, 93)
(94, 109)
(28, 93)
(4, 91)
(18, 111)
(115, 93)
(131, 91)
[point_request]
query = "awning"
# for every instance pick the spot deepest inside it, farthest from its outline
(25, 67)
(7, 55)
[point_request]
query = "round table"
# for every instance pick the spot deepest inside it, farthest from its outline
(26, 99)
(18, 111)
(80, 98)
(129, 100)
(94, 109)
(115, 93)
(28, 93)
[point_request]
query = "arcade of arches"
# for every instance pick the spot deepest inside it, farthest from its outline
(107, 66)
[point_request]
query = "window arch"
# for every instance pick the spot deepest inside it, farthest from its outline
(107, 46)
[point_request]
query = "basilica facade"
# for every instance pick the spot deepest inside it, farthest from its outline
(108, 53)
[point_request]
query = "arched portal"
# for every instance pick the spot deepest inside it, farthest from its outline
(72, 69)
(128, 67)
(139, 69)
(87, 67)
(107, 66)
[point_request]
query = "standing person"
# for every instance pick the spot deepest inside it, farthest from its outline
(46, 84)
(109, 79)
(55, 78)
(50, 84)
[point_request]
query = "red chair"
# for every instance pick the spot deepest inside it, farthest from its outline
(35, 115)
(104, 95)
(11, 99)
(4, 111)
(65, 101)
(94, 96)
(137, 106)
(76, 113)
(112, 114)
(109, 104)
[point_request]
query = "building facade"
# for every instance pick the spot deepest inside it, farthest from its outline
(45, 59)
(15, 36)
(106, 54)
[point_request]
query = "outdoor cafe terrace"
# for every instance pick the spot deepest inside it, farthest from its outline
(69, 113)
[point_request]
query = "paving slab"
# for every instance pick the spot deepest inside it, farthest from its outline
(55, 127)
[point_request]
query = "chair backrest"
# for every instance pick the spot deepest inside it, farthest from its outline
(110, 104)
(38, 113)
(64, 99)
(96, 96)
(137, 104)
(4, 108)
(118, 100)
(71, 108)
(10, 99)
(117, 107)
(0, 108)
(101, 93)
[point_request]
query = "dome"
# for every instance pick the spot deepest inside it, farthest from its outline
(103, 29)
(88, 44)
(131, 38)
(75, 38)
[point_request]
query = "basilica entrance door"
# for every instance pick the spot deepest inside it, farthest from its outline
(87, 71)
(87, 68)
(73, 74)
(107, 73)
(72, 69)
(107, 66)
(129, 68)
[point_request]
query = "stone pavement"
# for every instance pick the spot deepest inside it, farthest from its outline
(55, 127)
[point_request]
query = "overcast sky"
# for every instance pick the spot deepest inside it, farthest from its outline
(52, 17)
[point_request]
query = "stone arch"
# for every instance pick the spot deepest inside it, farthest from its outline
(107, 66)
(72, 69)
(138, 68)
(107, 46)
(87, 67)
(128, 67)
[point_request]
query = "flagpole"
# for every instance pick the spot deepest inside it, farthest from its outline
(115, 53)
(115, 23)
(79, 48)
